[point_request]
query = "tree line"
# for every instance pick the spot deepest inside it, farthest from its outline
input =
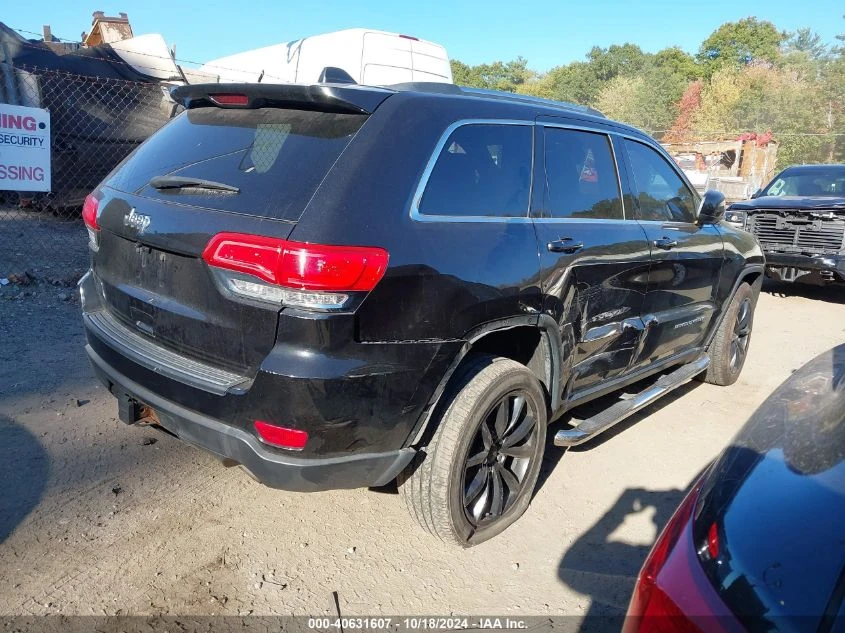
(748, 77)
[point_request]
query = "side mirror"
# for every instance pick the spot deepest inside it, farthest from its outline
(756, 194)
(712, 208)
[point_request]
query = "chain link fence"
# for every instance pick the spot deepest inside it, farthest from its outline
(94, 123)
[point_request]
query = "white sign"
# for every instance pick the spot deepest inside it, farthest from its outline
(24, 148)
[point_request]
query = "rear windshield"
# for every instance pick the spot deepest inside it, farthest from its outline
(275, 157)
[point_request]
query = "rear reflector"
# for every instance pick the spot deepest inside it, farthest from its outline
(281, 436)
(713, 541)
(227, 98)
(310, 275)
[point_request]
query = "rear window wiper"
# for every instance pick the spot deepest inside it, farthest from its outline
(181, 182)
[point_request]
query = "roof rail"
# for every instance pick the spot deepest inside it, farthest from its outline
(452, 89)
(512, 96)
(427, 86)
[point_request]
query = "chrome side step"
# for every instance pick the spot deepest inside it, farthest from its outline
(589, 428)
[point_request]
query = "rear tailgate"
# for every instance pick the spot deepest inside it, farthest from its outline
(157, 284)
(148, 266)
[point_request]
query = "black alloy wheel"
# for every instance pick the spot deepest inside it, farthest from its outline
(741, 334)
(499, 459)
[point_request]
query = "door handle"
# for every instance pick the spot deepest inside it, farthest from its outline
(666, 243)
(564, 245)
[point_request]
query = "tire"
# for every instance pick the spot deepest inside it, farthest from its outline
(729, 347)
(477, 475)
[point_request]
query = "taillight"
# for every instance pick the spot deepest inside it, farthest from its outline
(294, 273)
(662, 615)
(651, 609)
(281, 436)
(229, 99)
(89, 216)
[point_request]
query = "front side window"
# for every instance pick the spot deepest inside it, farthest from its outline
(581, 178)
(661, 194)
(482, 170)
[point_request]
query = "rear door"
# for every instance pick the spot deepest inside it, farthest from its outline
(149, 267)
(430, 62)
(387, 59)
(594, 259)
(680, 303)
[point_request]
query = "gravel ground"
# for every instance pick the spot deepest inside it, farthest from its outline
(100, 518)
(41, 243)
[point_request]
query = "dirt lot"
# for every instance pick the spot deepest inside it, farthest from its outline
(97, 517)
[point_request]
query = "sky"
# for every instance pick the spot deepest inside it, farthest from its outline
(546, 33)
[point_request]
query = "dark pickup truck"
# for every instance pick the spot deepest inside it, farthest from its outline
(799, 219)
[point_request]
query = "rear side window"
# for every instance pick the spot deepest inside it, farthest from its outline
(661, 194)
(482, 170)
(275, 157)
(581, 178)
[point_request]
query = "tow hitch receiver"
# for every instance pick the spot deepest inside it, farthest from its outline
(130, 411)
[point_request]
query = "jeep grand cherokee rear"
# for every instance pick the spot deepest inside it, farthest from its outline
(202, 313)
(339, 286)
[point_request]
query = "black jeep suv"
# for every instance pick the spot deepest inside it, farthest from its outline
(340, 286)
(799, 219)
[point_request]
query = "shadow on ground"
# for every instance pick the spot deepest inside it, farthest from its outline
(22, 488)
(605, 569)
(57, 423)
(553, 454)
(599, 567)
(831, 294)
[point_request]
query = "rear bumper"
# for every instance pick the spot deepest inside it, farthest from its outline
(359, 403)
(270, 468)
(818, 269)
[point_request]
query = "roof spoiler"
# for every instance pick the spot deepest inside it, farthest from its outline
(343, 99)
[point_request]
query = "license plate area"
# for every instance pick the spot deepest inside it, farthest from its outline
(153, 268)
